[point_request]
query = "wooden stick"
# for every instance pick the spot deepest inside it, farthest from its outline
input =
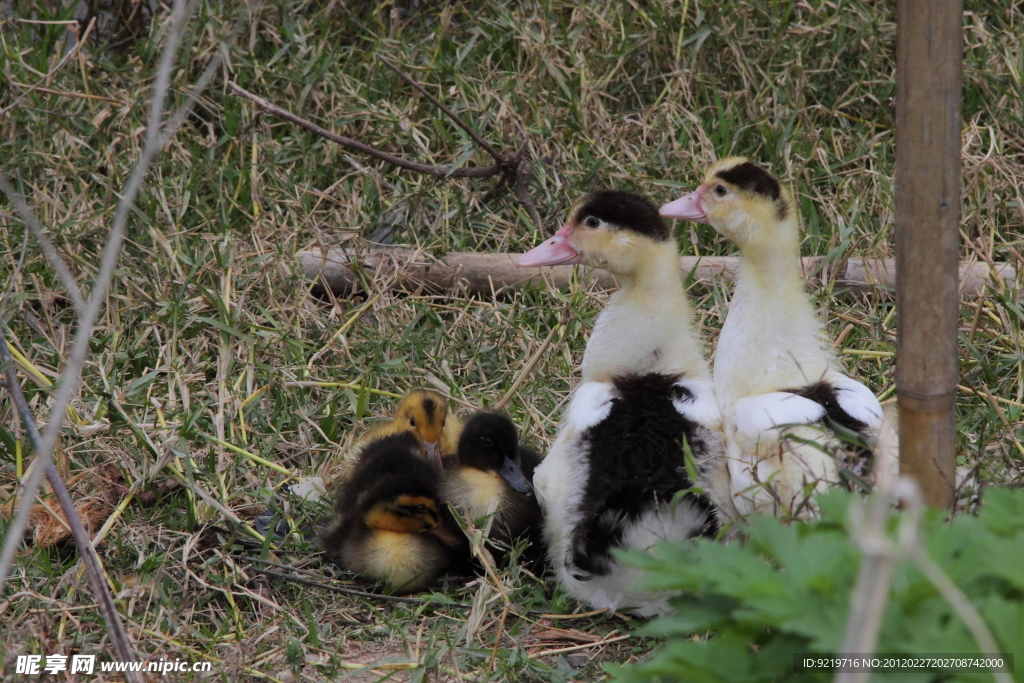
(929, 38)
(412, 270)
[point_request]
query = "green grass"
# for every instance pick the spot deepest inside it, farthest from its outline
(206, 309)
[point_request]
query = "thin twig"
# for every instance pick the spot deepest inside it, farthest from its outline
(459, 122)
(867, 602)
(214, 503)
(71, 53)
(74, 95)
(961, 604)
(155, 141)
(354, 591)
(291, 568)
(94, 569)
(87, 319)
(440, 171)
(867, 605)
(585, 646)
(910, 540)
(413, 601)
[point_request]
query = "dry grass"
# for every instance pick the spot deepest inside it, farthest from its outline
(206, 323)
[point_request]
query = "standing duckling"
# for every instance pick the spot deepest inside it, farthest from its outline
(773, 365)
(490, 466)
(389, 525)
(615, 476)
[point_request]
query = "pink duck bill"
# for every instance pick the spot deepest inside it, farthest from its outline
(553, 252)
(689, 208)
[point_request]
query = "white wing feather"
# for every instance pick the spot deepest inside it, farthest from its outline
(754, 415)
(590, 405)
(703, 407)
(857, 400)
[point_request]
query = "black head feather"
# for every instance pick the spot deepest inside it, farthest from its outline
(428, 408)
(487, 439)
(626, 210)
(752, 178)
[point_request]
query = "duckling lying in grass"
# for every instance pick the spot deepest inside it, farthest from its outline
(491, 467)
(389, 525)
(423, 413)
(773, 366)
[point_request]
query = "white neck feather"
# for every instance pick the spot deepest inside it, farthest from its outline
(647, 326)
(772, 338)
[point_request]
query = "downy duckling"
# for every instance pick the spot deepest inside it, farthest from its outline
(423, 413)
(615, 475)
(491, 467)
(389, 525)
(773, 365)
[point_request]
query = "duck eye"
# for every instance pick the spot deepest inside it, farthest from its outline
(412, 421)
(592, 222)
(421, 508)
(720, 190)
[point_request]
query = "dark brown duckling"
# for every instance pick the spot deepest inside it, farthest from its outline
(490, 465)
(389, 523)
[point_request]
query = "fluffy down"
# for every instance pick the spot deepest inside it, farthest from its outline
(794, 424)
(610, 479)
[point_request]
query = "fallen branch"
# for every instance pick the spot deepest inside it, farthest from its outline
(514, 169)
(443, 171)
(412, 269)
(94, 569)
(448, 112)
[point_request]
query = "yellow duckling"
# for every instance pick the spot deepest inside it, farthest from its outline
(423, 413)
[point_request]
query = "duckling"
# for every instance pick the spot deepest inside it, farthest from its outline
(422, 412)
(773, 365)
(615, 477)
(389, 525)
(492, 465)
(425, 413)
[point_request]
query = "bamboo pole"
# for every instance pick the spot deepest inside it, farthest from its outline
(928, 122)
(413, 270)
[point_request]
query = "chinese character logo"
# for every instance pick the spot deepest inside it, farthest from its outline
(82, 664)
